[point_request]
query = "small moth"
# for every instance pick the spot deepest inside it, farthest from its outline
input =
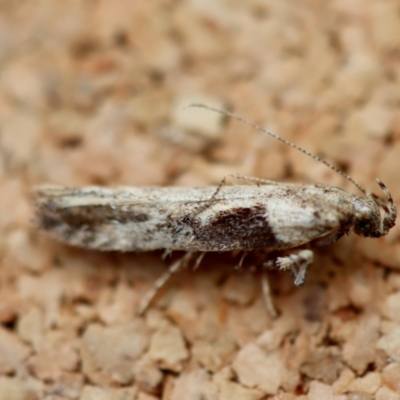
(284, 220)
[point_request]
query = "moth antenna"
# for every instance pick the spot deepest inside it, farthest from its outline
(274, 135)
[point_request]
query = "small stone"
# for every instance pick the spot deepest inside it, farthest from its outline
(360, 292)
(183, 310)
(233, 391)
(291, 380)
(385, 25)
(8, 306)
(99, 393)
(168, 347)
(57, 354)
(380, 251)
(245, 324)
(95, 393)
(257, 370)
(151, 107)
(342, 383)
(66, 126)
(393, 282)
(391, 376)
(109, 353)
(360, 350)
(377, 120)
(291, 396)
(391, 307)
(323, 364)
(389, 327)
(355, 79)
(194, 385)
(31, 327)
(20, 389)
(25, 83)
(145, 396)
(384, 393)
(213, 355)
(180, 137)
(28, 129)
(390, 344)
(69, 385)
(367, 384)
(26, 253)
(46, 290)
(271, 163)
(122, 307)
(204, 122)
(12, 352)
(319, 391)
(147, 375)
(240, 289)
(270, 340)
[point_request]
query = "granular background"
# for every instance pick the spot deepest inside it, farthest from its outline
(92, 92)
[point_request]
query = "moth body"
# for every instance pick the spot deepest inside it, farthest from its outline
(248, 217)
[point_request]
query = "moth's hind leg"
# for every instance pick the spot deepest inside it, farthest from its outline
(296, 261)
(254, 179)
(246, 178)
(267, 296)
(162, 280)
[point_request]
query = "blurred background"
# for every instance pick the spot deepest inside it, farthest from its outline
(94, 92)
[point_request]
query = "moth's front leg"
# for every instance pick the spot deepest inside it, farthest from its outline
(296, 261)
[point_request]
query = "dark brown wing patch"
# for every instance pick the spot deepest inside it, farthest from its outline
(90, 216)
(241, 228)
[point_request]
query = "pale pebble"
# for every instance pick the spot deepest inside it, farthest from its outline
(319, 391)
(391, 307)
(256, 369)
(369, 383)
(98, 393)
(384, 393)
(12, 352)
(205, 122)
(109, 354)
(391, 376)
(168, 347)
(360, 349)
(194, 385)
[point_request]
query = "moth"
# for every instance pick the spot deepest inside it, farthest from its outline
(284, 220)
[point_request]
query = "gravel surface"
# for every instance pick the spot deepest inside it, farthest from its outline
(91, 92)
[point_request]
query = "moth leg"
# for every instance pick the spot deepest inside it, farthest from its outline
(160, 282)
(236, 176)
(297, 261)
(198, 261)
(212, 198)
(266, 291)
(243, 178)
(240, 263)
(166, 254)
(252, 179)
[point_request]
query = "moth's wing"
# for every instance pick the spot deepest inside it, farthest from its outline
(122, 219)
(90, 195)
(297, 224)
(87, 207)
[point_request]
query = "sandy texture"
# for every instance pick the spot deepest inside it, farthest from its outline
(91, 92)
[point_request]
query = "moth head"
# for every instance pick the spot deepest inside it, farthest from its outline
(373, 224)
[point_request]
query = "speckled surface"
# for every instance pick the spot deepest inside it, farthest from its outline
(91, 92)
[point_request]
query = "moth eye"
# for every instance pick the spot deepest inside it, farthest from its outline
(364, 226)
